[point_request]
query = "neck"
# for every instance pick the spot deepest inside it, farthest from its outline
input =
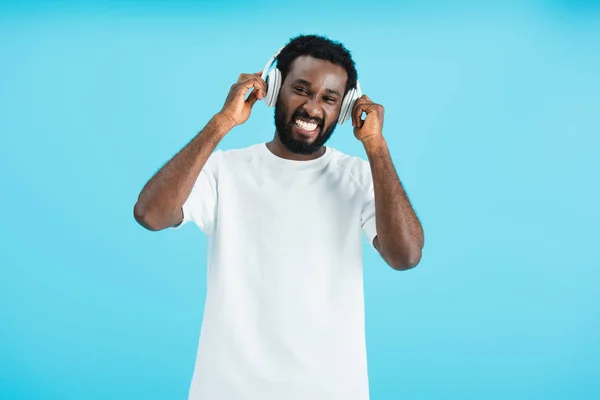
(277, 148)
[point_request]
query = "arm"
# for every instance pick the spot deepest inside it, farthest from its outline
(400, 236)
(160, 202)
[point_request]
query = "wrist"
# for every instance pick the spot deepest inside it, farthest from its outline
(223, 122)
(374, 142)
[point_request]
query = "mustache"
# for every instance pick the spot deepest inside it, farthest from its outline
(304, 115)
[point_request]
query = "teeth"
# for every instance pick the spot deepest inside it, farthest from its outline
(307, 126)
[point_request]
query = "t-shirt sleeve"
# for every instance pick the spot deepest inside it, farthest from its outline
(368, 210)
(201, 205)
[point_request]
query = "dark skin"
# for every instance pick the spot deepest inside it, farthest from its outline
(400, 236)
(317, 86)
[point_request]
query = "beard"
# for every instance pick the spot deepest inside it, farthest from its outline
(284, 130)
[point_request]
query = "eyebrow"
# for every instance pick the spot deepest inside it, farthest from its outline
(307, 83)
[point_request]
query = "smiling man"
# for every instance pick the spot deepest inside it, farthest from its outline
(284, 314)
(304, 127)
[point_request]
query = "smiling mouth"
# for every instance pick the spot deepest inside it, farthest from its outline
(305, 126)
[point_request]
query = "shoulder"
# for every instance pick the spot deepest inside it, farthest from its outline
(229, 157)
(356, 167)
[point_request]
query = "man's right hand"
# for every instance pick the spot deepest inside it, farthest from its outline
(236, 107)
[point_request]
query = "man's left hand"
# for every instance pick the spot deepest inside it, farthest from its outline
(372, 125)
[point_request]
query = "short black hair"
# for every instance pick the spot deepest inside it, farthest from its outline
(320, 47)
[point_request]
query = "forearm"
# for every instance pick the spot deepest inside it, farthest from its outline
(160, 201)
(399, 231)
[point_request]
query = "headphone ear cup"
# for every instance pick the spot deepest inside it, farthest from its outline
(347, 104)
(273, 85)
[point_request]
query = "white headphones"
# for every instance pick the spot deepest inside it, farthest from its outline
(273, 80)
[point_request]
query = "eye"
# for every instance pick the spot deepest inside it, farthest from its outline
(300, 90)
(329, 100)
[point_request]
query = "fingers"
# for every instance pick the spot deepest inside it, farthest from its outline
(360, 106)
(247, 82)
(259, 86)
(244, 77)
(364, 105)
(356, 114)
(252, 98)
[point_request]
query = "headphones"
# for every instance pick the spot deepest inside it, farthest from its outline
(273, 80)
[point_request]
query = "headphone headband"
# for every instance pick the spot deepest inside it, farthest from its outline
(270, 63)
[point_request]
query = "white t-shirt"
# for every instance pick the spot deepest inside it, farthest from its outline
(284, 312)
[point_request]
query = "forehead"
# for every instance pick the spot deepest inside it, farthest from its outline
(320, 73)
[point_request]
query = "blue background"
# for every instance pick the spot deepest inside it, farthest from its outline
(493, 121)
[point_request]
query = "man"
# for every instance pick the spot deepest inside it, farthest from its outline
(284, 307)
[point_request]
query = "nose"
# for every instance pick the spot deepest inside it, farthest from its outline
(312, 106)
